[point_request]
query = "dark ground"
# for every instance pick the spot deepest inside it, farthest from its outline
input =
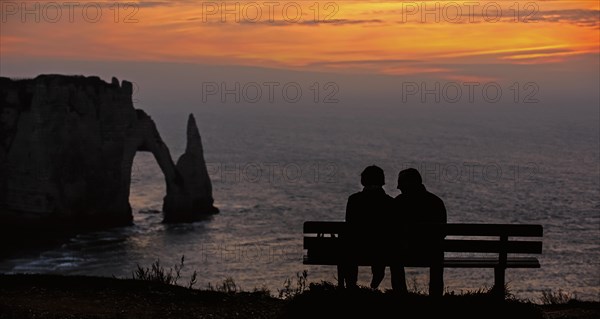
(49, 296)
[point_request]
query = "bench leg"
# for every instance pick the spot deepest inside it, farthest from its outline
(499, 279)
(340, 276)
(436, 281)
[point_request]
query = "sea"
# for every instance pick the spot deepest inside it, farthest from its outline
(274, 167)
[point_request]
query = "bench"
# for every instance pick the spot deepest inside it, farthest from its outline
(324, 247)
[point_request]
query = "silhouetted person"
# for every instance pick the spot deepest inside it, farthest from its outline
(422, 215)
(366, 211)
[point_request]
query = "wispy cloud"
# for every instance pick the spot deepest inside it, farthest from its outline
(362, 62)
(284, 23)
(579, 17)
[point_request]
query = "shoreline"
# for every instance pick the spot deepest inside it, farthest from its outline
(58, 296)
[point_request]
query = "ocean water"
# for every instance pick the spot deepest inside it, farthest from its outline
(273, 168)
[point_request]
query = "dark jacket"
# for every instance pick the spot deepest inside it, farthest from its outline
(420, 217)
(367, 213)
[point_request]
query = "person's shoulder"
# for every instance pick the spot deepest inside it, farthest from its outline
(435, 198)
(434, 195)
(387, 196)
(389, 200)
(355, 196)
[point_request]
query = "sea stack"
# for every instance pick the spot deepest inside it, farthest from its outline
(193, 200)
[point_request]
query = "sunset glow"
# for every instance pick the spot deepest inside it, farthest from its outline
(387, 37)
(266, 140)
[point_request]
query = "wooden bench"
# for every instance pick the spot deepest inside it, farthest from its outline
(324, 247)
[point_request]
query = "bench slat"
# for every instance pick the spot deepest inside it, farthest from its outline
(483, 262)
(490, 246)
(326, 227)
(320, 261)
(451, 229)
(321, 243)
(450, 245)
(449, 262)
(510, 230)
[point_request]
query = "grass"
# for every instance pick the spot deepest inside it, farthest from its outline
(227, 286)
(157, 273)
(303, 299)
(559, 297)
(289, 290)
(325, 300)
(156, 292)
(294, 287)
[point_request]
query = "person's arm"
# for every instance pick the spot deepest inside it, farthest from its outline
(443, 217)
(440, 216)
(350, 217)
(349, 210)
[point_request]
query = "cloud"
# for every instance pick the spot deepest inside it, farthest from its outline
(152, 4)
(579, 17)
(283, 23)
(384, 62)
(343, 22)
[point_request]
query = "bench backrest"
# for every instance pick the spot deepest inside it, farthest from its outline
(463, 237)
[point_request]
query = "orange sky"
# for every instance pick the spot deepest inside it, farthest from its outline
(388, 37)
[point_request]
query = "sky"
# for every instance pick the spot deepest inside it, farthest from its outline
(462, 41)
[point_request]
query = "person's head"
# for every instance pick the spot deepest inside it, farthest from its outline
(409, 180)
(372, 176)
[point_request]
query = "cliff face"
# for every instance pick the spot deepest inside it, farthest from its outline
(67, 145)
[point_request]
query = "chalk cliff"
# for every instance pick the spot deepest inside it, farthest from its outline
(67, 145)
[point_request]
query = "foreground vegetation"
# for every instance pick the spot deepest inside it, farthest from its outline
(155, 292)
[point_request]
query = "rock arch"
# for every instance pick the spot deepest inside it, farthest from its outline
(67, 145)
